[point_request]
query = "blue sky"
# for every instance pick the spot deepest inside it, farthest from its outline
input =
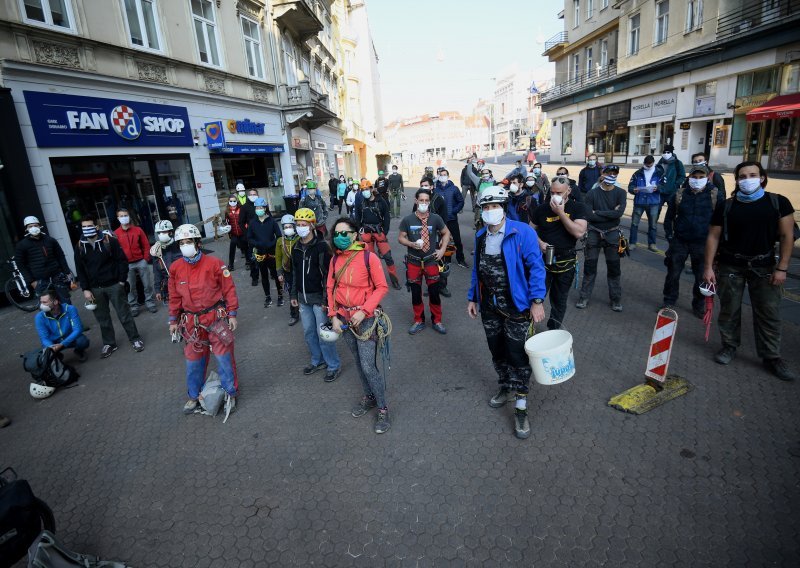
(442, 54)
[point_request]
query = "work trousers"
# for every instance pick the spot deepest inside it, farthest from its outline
(114, 295)
(594, 242)
(197, 357)
(674, 260)
(506, 338)
(669, 218)
(365, 354)
(455, 234)
(378, 241)
(559, 280)
(239, 242)
(471, 191)
(395, 203)
(144, 270)
(414, 275)
(652, 220)
(266, 269)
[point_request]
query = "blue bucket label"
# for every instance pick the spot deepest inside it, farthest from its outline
(559, 369)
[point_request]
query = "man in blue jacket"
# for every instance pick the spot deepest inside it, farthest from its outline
(646, 199)
(59, 326)
(589, 175)
(508, 285)
(672, 180)
(455, 203)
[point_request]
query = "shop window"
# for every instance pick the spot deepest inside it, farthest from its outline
(644, 138)
(662, 22)
(566, 137)
(141, 17)
(52, 13)
(791, 79)
(252, 48)
(738, 129)
(205, 31)
(633, 34)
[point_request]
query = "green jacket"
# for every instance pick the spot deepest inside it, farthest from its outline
(283, 254)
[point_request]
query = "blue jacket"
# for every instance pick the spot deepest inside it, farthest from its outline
(524, 265)
(674, 176)
(692, 216)
(588, 177)
(521, 203)
(638, 179)
(452, 198)
(63, 329)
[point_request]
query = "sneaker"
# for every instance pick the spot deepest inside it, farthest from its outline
(152, 309)
(416, 327)
(382, 421)
(780, 369)
(135, 312)
(445, 292)
(107, 351)
(522, 427)
(331, 376)
(254, 283)
(616, 307)
(280, 301)
(653, 248)
(293, 321)
(631, 246)
(81, 354)
(231, 268)
(395, 281)
(581, 304)
(311, 369)
(666, 306)
(267, 302)
(138, 345)
(190, 407)
(725, 355)
(503, 396)
(4, 421)
(462, 263)
(364, 405)
(439, 327)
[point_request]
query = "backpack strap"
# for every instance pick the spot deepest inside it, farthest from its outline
(728, 205)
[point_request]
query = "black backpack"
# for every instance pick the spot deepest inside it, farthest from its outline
(22, 518)
(48, 367)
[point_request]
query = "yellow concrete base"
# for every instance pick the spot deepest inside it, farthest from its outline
(641, 398)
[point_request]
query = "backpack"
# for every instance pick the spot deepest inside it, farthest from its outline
(773, 198)
(22, 518)
(48, 367)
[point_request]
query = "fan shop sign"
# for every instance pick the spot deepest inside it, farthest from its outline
(661, 104)
(69, 120)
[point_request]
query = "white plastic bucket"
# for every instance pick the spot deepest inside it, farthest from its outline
(550, 354)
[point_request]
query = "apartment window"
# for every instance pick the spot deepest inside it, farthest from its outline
(694, 15)
(576, 66)
(56, 13)
(317, 77)
(791, 79)
(589, 62)
(305, 67)
(566, 137)
(589, 9)
(576, 7)
(603, 54)
(603, 4)
(662, 21)
(633, 34)
(708, 89)
(142, 27)
(757, 83)
(252, 48)
(205, 31)
(290, 60)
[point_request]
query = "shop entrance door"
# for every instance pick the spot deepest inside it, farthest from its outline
(707, 144)
(148, 211)
(757, 138)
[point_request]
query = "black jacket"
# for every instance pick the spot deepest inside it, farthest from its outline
(101, 263)
(40, 258)
(247, 214)
(263, 235)
(310, 263)
(374, 213)
(588, 177)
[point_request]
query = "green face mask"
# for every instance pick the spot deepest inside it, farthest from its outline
(342, 242)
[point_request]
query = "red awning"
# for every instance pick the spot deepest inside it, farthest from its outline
(786, 106)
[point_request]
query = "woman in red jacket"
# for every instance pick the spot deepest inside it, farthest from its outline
(356, 285)
(236, 236)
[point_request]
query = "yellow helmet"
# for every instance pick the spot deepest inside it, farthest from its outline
(305, 214)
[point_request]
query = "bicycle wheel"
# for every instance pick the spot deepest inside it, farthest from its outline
(25, 303)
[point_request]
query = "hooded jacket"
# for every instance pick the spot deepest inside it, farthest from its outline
(63, 328)
(310, 262)
(674, 176)
(100, 263)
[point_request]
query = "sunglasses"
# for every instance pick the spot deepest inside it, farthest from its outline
(561, 178)
(342, 233)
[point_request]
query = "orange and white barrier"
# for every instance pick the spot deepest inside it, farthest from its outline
(661, 345)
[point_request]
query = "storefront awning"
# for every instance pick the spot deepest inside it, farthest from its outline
(651, 120)
(786, 106)
(702, 118)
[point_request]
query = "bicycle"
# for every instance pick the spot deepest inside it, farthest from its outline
(18, 291)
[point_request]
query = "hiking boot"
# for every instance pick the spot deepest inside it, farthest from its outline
(191, 406)
(416, 327)
(522, 426)
(331, 376)
(152, 309)
(653, 248)
(581, 304)
(616, 307)
(311, 369)
(725, 355)
(631, 246)
(81, 354)
(780, 369)
(439, 327)
(382, 421)
(503, 396)
(267, 302)
(293, 320)
(445, 292)
(138, 345)
(395, 281)
(135, 312)
(254, 282)
(107, 350)
(364, 405)
(462, 263)
(280, 301)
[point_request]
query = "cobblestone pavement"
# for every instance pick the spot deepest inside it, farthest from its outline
(710, 479)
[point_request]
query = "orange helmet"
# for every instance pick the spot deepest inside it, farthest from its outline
(366, 184)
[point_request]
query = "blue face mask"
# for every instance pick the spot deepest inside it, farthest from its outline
(89, 232)
(342, 242)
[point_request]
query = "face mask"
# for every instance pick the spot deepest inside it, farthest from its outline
(513, 188)
(288, 231)
(557, 199)
(562, 174)
(394, 171)
(124, 220)
(443, 179)
(241, 192)
(303, 231)
(749, 185)
(699, 164)
(610, 180)
(342, 242)
(233, 203)
(530, 183)
(667, 155)
(260, 212)
(45, 308)
(189, 251)
(697, 184)
(33, 231)
(252, 198)
(649, 168)
(89, 232)
(366, 194)
(492, 216)
(591, 163)
(164, 237)
(423, 207)
(537, 171)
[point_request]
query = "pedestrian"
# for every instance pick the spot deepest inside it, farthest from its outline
(333, 184)
(700, 159)
(455, 203)
(542, 182)
(533, 189)
(521, 199)
(246, 214)
(574, 193)
(397, 191)
(42, 262)
(559, 223)
(136, 247)
(588, 176)
(313, 200)
(372, 215)
(426, 235)
(604, 206)
(439, 207)
(468, 175)
(311, 257)
(742, 237)
(350, 200)
(673, 178)
(382, 186)
(263, 233)
(694, 205)
(508, 287)
(341, 193)
(236, 236)
(355, 287)
(202, 309)
(241, 193)
(164, 253)
(283, 261)
(102, 271)
(644, 186)
(59, 326)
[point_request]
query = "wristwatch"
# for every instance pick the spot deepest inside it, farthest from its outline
(538, 300)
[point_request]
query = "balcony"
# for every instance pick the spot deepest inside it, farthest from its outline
(304, 103)
(578, 83)
(755, 17)
(560, 39)
(300, 16)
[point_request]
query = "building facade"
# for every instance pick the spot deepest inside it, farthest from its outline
(702, 75)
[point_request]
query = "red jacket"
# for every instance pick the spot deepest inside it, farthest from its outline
(232, 218)
(357, 286)
(134, 243)
(196, 287)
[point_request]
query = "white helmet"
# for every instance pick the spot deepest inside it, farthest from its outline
(326, 333)
(494, 194)
(239, 187)
(708, 289)
(41, 391)
(287, 220)
(90, 305)
(164, 226)
(30, 219)
(187, 231)
(223, 229)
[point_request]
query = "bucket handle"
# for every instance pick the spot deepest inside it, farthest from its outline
(532, 328)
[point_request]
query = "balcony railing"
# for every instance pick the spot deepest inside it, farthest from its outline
(559, 39)
(579, 82)
(756, 16)
(302, 94)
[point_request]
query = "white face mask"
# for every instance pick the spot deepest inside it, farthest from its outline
(164, 238)
(443, 179)
(34, 231)
(252, 198)
(591, 163)
(303, 232)
(45, 308)
(530, 183)
(366, 194)
(749, 185)
(124, 220)
(697, 184)
(423, 207)
(492, 216)
(241, 192)
(233, 203)
(513, 188)
(666, 155)
(699, 163)
(288, 231)
(189, 251)
(557, 199)
(649, 168)
(537, 171)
